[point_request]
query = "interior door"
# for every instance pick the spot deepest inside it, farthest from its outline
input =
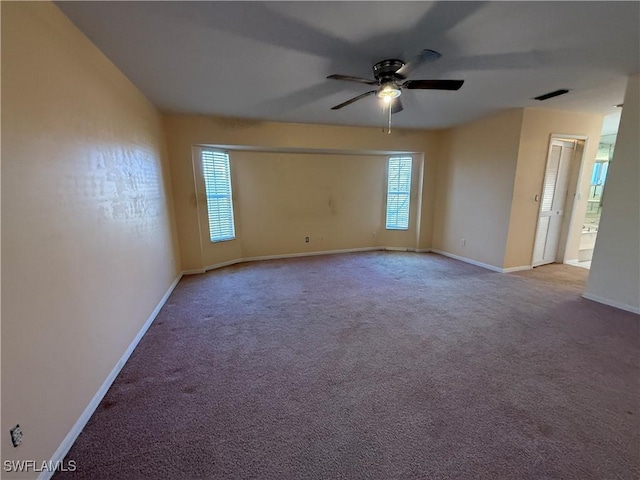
(552, 201)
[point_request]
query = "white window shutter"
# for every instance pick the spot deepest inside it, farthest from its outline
(398, 193)
(217, 180)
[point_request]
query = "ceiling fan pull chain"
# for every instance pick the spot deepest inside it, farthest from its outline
(389, 108)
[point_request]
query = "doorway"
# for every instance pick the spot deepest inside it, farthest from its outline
(562, 172)
(591, 221)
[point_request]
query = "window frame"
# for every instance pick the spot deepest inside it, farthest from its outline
(225, 232)
(398, 192)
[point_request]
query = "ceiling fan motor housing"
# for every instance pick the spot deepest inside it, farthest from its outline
(385, 70)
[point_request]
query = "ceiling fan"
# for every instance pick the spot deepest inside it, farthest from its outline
(391, 79)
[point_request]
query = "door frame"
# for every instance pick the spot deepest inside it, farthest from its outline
(569, 222)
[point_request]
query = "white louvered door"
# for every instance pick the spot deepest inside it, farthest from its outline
(552, 201)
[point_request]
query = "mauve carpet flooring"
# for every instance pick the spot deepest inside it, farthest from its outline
(374, 365)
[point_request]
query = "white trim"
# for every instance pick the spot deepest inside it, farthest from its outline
(310, 254)
(480, 264)
(302, 254)
(517, 269)
(521, 268)
(193, 272)
(560, 136)
(196, 168)
(303, 150)
(579, 264)
(611, 303)
(571, 228)
(71, 437)
(566, 227)
(219, 265)
(467, 260)
(289, 255)
(420, 198)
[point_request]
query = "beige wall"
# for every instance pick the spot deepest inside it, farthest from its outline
(475, 187)
(281, 198)
(87, 246)
(537, 128)
(615, 269)
(328, 193)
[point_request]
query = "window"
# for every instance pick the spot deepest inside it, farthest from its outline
(599, 173)
(217, 180)
(398, 193)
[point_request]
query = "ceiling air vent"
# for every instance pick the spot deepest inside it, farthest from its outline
(546, 96)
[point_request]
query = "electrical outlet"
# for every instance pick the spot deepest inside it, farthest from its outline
(463, 242)
(306, 239)
(16, 435)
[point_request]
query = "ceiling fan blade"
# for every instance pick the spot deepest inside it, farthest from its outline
(439, 19)
(265, 24)
(425, 56)
(353, 79)
(433, 84)
(354, 99)
(396, 105)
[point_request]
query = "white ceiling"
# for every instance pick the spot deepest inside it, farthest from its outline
(270, 60)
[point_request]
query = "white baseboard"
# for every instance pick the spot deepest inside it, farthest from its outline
(576, 263)
(481, 264)
(193, 272)
(399, 249)
(71, 437)
(517, 269)
(611, 303)
(217, 265)
(309, 254)
(467, 260)
(302, 254)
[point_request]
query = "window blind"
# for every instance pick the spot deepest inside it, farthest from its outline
(398, 193)
(217, 180)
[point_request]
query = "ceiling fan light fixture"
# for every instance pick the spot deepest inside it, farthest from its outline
(388, 91)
